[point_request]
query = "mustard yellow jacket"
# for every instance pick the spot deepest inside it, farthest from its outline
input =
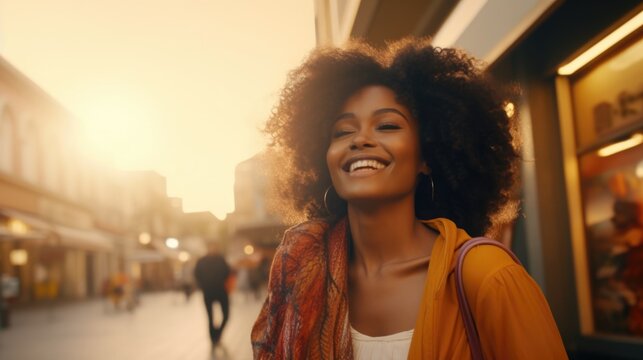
(511, 314)
(305, 315)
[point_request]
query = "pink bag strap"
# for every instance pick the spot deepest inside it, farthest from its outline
(465, 309)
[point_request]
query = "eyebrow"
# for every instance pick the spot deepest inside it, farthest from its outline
(376, 112)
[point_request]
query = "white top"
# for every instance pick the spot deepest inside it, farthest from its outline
(390, 347)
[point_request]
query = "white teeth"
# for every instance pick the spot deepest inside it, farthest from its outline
(374, 164)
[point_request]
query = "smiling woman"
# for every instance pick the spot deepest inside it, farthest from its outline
(374, 152)
(397, 156)
(465, 135)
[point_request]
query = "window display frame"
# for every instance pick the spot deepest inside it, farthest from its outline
(571, 155)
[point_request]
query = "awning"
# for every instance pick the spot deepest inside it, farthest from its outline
(86, 239)
(8, 235)
(39, 228)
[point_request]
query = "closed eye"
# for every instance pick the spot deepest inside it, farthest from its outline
(389, 127)
(340, 133)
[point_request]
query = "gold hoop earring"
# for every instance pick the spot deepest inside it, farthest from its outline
(333, 204)
(326, 200)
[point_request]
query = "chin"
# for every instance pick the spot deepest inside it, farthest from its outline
(361, 193)
(371, 198)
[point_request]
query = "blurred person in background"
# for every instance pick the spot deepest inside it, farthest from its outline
(187, 288)
(397, 157)
(117, 289)
(9, 290)
(211, 273)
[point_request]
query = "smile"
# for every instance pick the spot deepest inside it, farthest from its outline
(358, 166)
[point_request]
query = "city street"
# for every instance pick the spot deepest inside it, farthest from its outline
(164, 326)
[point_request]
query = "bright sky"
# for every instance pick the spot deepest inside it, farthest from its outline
(176, 86)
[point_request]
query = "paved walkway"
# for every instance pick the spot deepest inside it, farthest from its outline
(165, 326)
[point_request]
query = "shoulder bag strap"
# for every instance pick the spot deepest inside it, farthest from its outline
(465, 309)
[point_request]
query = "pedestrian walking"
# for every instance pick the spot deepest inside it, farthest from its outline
(211, 273)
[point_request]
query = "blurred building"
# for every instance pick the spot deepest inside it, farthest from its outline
(579, 65)
(155, 218)
(61, 217)
(254, 222)
(151, 222)
(67, 225)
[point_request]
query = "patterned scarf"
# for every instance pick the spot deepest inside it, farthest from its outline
(306, 313)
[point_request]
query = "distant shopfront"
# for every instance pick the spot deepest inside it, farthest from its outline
(51, 260)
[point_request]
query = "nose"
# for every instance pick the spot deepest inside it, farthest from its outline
(361, 140)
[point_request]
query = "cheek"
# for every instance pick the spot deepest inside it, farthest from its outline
(410, 151)
(331, 158)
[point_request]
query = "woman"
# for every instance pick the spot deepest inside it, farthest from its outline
(396, 157)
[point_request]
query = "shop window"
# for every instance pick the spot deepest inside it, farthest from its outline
(612, 194)
(602, 127)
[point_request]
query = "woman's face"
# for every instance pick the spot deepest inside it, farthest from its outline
(374, 152)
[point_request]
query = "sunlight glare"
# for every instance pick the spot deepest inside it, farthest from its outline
(180, 88)
(115, 128)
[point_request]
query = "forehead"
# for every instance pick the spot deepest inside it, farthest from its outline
(372, 97)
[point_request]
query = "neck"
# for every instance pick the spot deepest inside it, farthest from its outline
(387, 234)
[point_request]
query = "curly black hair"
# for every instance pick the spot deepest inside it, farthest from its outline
(466, 136)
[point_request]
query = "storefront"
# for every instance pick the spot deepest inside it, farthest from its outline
(52, 261)
(151, 267)
(580, 72)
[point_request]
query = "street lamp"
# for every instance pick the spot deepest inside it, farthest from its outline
(172, 243)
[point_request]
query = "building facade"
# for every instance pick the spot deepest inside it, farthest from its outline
(254, 222)
(68, 224)
(59, 213)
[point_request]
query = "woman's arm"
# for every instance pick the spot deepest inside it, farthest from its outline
(511, 313)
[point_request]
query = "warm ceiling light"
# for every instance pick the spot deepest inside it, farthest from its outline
(249, 249)
(18, 257)
(145, 238)
(612, 149)
(18, 227)
(598, 48)
(184, 256)
(172, 243)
